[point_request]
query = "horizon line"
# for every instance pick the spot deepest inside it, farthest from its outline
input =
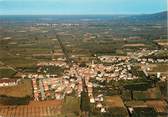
(83, 14)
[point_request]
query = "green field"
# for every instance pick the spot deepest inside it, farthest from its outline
(71, 106)
(6, 72)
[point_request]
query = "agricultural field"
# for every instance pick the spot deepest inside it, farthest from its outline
(22, 90)
(152, 93)
(162, 68)
(159, 106)
(33, 109)
(71, 106)
(162, 42)
(26, 50)
(6, 72)
(116, 106)
(57, 60)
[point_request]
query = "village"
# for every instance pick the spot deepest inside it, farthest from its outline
(48, 86)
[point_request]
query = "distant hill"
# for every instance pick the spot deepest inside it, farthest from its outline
(159, 18)
(148, 18)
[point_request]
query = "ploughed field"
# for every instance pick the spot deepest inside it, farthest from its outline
(33, 109)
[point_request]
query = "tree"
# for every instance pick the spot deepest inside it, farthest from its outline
(85, 103)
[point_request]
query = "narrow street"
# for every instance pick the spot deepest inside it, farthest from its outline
(64, 50)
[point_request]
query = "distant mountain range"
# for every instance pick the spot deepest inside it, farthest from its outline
(159, 18)
(150, 18)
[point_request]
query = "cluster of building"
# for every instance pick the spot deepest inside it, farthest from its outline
(151, 60)
(6, 82)
(62, 24)
(100, 73)
(113, 59)
(145, 59)
(53, 63)
(72, 78)
(35, 90)
(119, 70)
(99, 100)
(47, 88)
(86, 73)
(143, 56)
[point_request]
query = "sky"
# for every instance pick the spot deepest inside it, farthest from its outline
(69, 7)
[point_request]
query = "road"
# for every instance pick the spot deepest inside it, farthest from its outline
(85, 112)
(64, 50)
